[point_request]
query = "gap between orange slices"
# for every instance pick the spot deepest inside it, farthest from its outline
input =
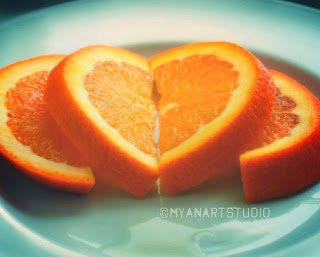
(286, 159)
(29, 136)
(101, 98)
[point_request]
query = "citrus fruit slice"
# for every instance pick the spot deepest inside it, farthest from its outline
(29, 137)
(210, 109)
(286, 159)
(102, 98)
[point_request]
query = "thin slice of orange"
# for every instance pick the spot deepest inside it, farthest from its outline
(102, 98)
(29, 136)
(210, 109)
(286, 159)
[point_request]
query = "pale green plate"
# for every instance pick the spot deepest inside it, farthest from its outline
(35, 221)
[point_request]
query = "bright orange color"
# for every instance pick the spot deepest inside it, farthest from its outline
(101, 98)
(32, 125)
(189, 99)
(287, 158)
(127, 105)
(210, 109)
(30, 138)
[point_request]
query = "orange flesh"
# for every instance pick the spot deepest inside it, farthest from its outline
(282, 121)
(122, 94)
(32, 125)
(194, 91)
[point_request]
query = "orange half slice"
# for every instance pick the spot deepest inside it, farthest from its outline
(29, 136)
(286, 158)
(210, 109)
(102, 98)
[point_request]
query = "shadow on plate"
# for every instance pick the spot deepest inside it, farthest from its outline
(34, 198)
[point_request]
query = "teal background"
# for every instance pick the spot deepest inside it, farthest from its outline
(11, 8)
(36, 221)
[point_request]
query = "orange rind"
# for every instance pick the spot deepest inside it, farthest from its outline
(286, 158)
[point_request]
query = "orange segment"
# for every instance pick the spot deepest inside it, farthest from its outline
(128, 106)
(195, 90)
(30, 137)
(101, 97)
(281, 122)
(210, 109)
(286, 158)
(32, 125)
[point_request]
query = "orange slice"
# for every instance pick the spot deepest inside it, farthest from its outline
(210, 109)
(286, 159)
(101, 98)
(29, 137)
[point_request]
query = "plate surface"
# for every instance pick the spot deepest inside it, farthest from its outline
(35, 221)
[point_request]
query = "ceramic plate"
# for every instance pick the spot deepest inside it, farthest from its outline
(212, 220)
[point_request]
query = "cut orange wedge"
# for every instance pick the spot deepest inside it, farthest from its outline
(286, 159)
(29, 137)
(216, 98)
(102, 98)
